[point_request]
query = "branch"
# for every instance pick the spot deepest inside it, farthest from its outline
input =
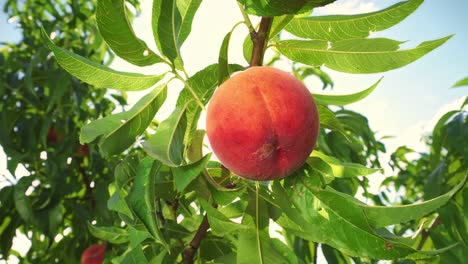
(260, 39)
(190, 250)
(425, 233)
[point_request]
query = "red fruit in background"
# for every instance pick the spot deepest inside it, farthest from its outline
(262, 123)
(93, 254)
(52, 136)
(83, 150)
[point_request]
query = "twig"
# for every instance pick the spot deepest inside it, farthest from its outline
(246, 18)
(189, 87)
(425, 233)
(259, 40)
(190, 250)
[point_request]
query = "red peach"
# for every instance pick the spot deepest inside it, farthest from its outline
(93, 254)
(262, 123)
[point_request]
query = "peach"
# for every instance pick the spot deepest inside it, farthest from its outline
(262, 123)
(93, 254)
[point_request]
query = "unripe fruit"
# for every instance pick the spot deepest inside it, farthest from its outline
(93, 254)
(262, 123)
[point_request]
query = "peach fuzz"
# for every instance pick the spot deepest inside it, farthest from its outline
(262, 123)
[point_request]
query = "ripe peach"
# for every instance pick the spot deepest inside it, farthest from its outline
(93, 254)
(262, 123)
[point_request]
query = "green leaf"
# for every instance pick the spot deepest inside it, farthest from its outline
(131, 256)
(280, 7)
(117, 31)
(328, 120)
(136, 236)
(383, 216)
(304, 71)
(339, 27)
(456, 132)
(125, 171)
(221, 225)
(433, 185)
(195, 148)
(355, 55)
(98, 75)
(463, 82)
(117, 203)
(223, 66)
(184, 175)
(167, 144)
(321, 169)
(8, 228)
(23, 203)
(203, 84)
(112, 234)
(319, 215)
(172, 23)
(342, 100)
(255, 246)
(438, 138)
(141, 199)
(344, 169)
(248, 250)
(327, 225)
(118, 132)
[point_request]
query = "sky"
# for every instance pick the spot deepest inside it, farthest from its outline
(405, 105)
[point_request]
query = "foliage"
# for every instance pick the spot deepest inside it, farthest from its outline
(177, 204)
(428, 176)
(42, 111)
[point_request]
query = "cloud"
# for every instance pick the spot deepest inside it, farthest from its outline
(347, 7)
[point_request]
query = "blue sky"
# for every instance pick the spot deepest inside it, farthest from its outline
(410, 96)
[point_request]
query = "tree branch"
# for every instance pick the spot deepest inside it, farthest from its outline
(259, 40)
(190, 250)
(425, 233)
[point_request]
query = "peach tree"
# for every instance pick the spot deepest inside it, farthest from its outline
(42, 109)
(177, 203)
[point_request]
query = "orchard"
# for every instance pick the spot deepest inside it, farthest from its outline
(233, 163)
